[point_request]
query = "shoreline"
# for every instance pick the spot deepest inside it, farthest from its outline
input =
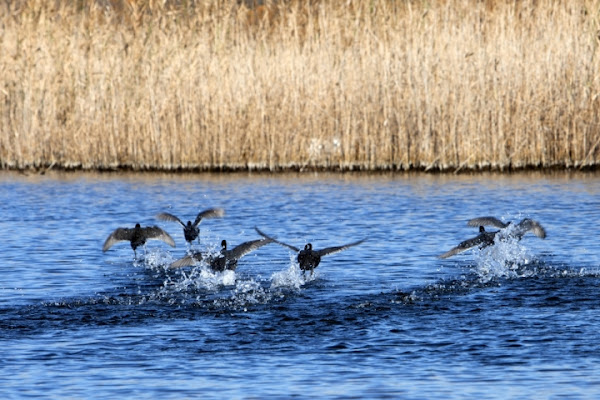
(36, 170)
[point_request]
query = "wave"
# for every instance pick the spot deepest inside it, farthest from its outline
(505, 261)
(183, 293)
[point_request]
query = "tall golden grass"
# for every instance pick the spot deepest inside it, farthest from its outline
(380, 84)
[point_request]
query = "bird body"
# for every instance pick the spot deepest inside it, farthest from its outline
(308, 259)
(137, 236)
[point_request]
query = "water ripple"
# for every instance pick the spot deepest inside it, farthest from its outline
(383, 319)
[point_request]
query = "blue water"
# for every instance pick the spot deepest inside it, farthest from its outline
(385, 319)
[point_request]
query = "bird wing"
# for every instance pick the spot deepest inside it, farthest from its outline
(242, 249)
(464, 246)
(534, 226)
(187, 261)
(118, 235)
(276, 241)
(487, 221)
(453, 251)
(154, 232)
(169, 217)
(336, 249)
(210, 213)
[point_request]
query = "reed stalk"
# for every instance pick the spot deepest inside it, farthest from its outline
(212, 85)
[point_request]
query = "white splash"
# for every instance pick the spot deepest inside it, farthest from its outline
(293, 277)
(191, 284)
(506, 258)
(289, 278)
(200, 277)
(155, 259)
(250, 292)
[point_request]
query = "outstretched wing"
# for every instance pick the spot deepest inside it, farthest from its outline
(336, 249)
(187, 261)
(154, 232)
(464, 246)
(118, 235)
(487, 221)
(210, 213)
(276, 241)
(169, 217)
(530, 225)
(242, 249)
(453, 251)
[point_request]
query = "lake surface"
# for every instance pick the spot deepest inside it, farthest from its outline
(384, 319)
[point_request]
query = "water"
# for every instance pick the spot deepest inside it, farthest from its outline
(385, 319)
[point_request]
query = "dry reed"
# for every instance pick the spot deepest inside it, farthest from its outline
(354, 85)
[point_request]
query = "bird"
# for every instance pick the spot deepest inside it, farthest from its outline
(309, 259)
(486, 238)
(519, 230)
(226, 259)
(482, 240)
(191, 230)
(137, 236)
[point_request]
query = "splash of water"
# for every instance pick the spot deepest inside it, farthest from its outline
(183, 286)
(200, 277)
(155, 259)
(506, 258)
(249, 292)
(291, 278)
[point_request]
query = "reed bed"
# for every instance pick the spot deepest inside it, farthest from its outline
(377, 85)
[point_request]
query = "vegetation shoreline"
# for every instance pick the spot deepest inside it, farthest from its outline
(43, 169)
(212, 86)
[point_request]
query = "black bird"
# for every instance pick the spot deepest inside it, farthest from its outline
(191, 230)
(519, 230)
(482, 240)
(137, 237)
(309, 259)
(226, 259)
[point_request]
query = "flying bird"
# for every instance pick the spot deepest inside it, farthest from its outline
(486, 238)
(519, 230)
(137, 237)
(191, 230)
(309, 259)
(226, 259)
